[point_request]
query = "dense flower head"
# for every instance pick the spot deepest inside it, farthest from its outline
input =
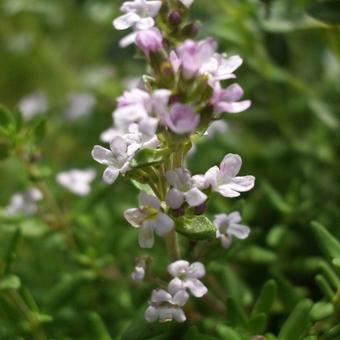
(229, 227)
(149, 219)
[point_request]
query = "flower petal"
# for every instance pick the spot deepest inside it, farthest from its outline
(178, 314)
(146, 200)
(151, 314)
(242, 183)
(239, 231)
(146, 237)
(145, 23)
(231, 165)
(180, 298)
(163, 224)
(176, 285)
(233, 107)
(110, 175)
(125, 21)
(196, 287)
(135, 217)
(196, 270)
(195, 197)
(178, 267)
(174, 198)
(101, 155)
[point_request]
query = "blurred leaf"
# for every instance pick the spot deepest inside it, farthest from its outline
(296, 326)
(257, 324)
(236, 313)
(10, 282)
(327, 11)
(266, 299)
(98, 328)
(321, 310)
(39, 130)
(329, 244)
(4, 151)
(196, 228)
(228, 333)
(255, 254)
(5, 117)
(276, 199)
(193, 333)
(324, 287)
(323, 112)
(10, 252)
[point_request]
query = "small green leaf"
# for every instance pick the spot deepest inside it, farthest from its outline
(226, 332)
(329, 244)
(99, 330)
(336, 262)
(257, 324)
(327, 11)
(321, 310)
(276, 198)
(39, 130)
(196, 228)
(255, 254)
(324, 286)
(266, 298)
(236, 313)
(296, 326)
(149, 157)
(10, 282)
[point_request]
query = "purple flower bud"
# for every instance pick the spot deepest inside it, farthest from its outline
(150, 40)
(175, 17)
(178, 212)
(199, 210)
(181, 119)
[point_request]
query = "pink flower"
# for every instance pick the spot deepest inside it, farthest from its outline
(191, 56)
(150, 40)
(181, 119)
(226, 100)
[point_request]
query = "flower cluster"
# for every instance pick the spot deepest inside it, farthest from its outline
(185, 96)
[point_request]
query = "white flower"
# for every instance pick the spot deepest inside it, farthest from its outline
(219, 67)
(165, 307)
(24, 202)
(79, 105)
(183, 189)
(149, 219)
(228, 226)
(118, 158)
(32, 105)
(138, 273)
(186, 276)
(77, 181)
(187, 3)
(217, 126)
(224, 179)
(138, 14)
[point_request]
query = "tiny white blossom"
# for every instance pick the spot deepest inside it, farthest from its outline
(228, 227)
(117, 159)
(183, 189)
(186, 276)
(138, 273)
(138, 14)
(79, 105)
(32, 105)
(224, 179)
(165, 307)
(150, 219)
(187, 3)
(24, 202)
(219, 67)
(77, 181)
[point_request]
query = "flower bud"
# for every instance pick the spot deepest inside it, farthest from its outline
(178, 212)
(175, 18)
(191, 30)
(150, 40)
(199, 210)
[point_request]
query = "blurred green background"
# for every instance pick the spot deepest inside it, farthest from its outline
(75, 282)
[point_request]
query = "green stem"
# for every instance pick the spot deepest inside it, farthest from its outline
(172, 246)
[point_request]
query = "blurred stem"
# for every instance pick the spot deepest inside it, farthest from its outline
(172, 246)
(37, 330)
